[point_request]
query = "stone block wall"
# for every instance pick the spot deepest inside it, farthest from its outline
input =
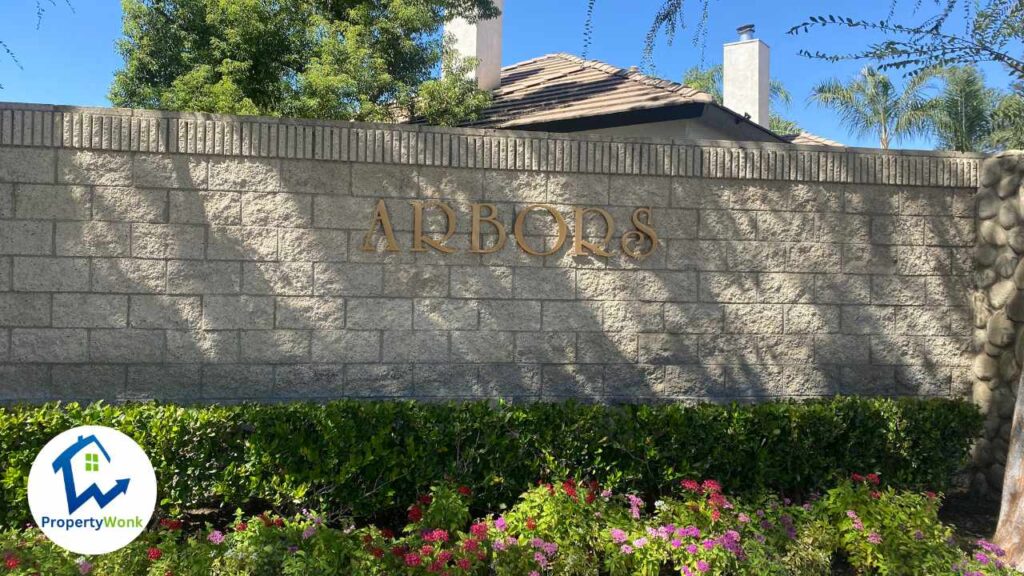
(212, 258)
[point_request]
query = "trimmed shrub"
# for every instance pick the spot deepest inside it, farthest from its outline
(366, 459)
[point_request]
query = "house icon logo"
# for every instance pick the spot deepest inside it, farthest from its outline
(92, 490)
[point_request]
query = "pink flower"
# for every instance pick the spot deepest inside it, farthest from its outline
(216, 537)
(703, 566)
(84, 567)
(618, 536)
(479, 531)
(626, 549)
(875, 538)
(500, 524)
(412, 559)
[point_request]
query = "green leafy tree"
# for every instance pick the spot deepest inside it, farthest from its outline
(709, 81)
(871, 105)
(962, 113)
(1008, 120)
(371, 60)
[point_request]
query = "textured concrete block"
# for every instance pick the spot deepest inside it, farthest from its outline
(344, 279)
(51, 274)
(949, 231)
(126, 346)
(704, 382)
(871, 200)
(897, 229)
(123, 204)
(606, 348)
(728, 287)
(237, 382)
(168, 241)
(378, 180)
(241, 243)
(52, 202)
(730, 349)
(482, 347)
(94, 167)
(276, 346)
(24, 382)
(694, 318)
(926, 201)
(26, 165)
(811, 319)
(631, 316)
(128, 275)
(572, 316)
(438, 314)
(90, 311)
(451, 184)
(776, 349)
(728, 225)
(447, 381)
(661, 286)
(309, 381)
(516, 381)
(514, 186)
(347, 213)
(172, 312)
(545, 347)
(869, 259)
(867, 319)
(785, 288)
(926, 320)
(238, 312)
(249, 174)
(843, 228)
(510, 315)
(584, 189)
(199, 277)
(174, 382)
(902, 290)
(202, 346)
(649, 191)
(578, 381)
(314, 245)
(48, 345)
(304, 312)
(88, 383)
(379, 314)
(191, 207)
(93, 239)
(814, 257)
(754, 319)
(283, 278)
(787, 227)
(922, 261)
(278, 210)
(842, 289)
(415, 346)
(28, 310)
(6, 200)
(923, 381)
(169, 171)
(416, 281)
(26, 238)
(842, 349)
(378, 380)
(343, 346)
(668, 349)
(316, 177)
(481, 282)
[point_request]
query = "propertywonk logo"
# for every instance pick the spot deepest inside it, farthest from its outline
(92, 490)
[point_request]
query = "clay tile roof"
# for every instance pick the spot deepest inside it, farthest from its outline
(812, 139)
(564, 87)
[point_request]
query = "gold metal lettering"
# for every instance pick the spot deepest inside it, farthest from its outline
(643, 233)
(418, 239)
(563, 229)
(580, 246)
(381, 218)
(475, 244)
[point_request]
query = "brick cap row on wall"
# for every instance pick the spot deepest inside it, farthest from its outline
(128, 130)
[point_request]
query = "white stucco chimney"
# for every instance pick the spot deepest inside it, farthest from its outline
(745, 76)
(480, 40)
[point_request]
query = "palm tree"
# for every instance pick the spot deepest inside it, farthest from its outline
(962, 115)
(871, 104)
(709, 81)
(1008, 120)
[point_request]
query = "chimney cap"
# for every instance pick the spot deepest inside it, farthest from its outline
(746, 32)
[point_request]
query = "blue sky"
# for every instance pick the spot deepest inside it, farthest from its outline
(71, 57)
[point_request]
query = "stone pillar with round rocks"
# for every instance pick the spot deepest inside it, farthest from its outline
(998, 306)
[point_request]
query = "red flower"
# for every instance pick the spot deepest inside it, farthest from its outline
(876, 494)
(171, 524)
(690, 485)
(463, 563)
(470, 544)
(278, 522)
(367, 538)
(931, 495)
(465, 491)
(570, 489)
(856, 477)
(412, 560)
(445, 555)
(591, 496)
(415, 514)
(154, 554)
(387, 533)
(168, 573)
(874, 479)
(426, 550)
(377, 552)
(398, 551)
(531, 524)
(11, 561)
(715, 515)
(712, 486)
(479, 531)
(426, 499)
(241, 527)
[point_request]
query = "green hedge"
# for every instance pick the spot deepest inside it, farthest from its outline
(369, 458)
